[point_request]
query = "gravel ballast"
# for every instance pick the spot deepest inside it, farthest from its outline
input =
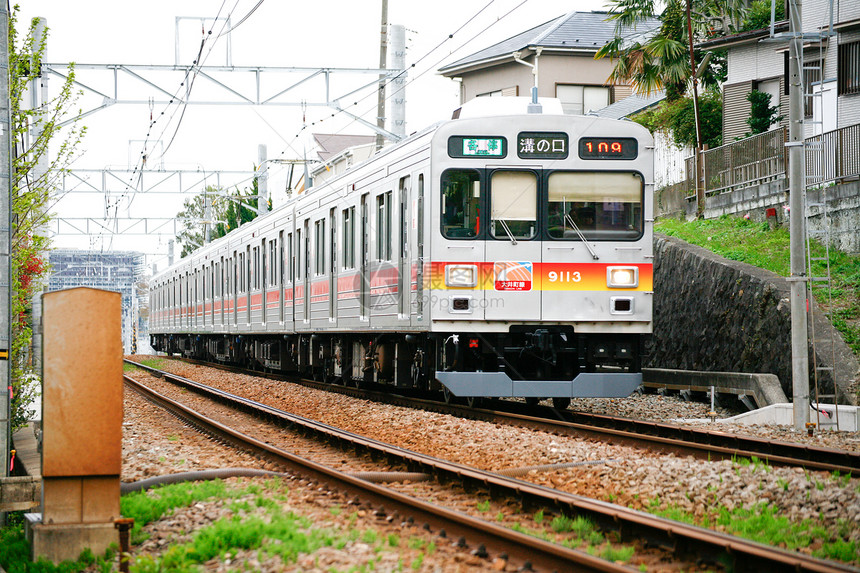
(630, 477)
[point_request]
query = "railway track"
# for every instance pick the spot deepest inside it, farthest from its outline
(657, 436)
(684, 541)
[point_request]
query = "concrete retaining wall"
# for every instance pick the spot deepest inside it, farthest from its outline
(843, 205)
(714, 314)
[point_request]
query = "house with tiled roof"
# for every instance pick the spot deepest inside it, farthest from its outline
(563, 52)
(758, 60)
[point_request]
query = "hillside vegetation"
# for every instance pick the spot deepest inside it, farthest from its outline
(756, 244)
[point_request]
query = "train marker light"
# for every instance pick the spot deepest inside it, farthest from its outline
(622, 277)
(464, 276)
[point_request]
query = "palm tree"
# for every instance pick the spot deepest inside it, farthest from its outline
(661, 62)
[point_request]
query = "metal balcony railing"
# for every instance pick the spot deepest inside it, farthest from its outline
(832, 156)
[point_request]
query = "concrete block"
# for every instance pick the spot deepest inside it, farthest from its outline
(20, 493)
(61, 500)
(61, 542)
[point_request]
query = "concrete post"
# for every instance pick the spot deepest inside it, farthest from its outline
(5, 259)
(383, 60)
(262, 180)
(797, 220)
(81, 423)
(397, 86)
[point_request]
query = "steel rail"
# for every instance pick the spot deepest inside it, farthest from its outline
(660, 436)
(528, 549)
(682, 539)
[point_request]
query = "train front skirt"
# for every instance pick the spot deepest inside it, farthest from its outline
(500, 385)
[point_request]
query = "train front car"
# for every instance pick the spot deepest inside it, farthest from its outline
(541, 273)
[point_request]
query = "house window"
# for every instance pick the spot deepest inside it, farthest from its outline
(849, 68)
(772, 88)
(579, 100)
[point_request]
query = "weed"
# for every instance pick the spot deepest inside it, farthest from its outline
(539, 516)
(500, 516)
(783, 483)
(561, 524)
(613, 553)
(484, 506)
(417, 562)
(393, 540)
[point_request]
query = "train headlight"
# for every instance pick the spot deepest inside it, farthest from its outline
(463, 276)
(622, 277)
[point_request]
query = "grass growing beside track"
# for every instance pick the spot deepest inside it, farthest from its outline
(759, 245)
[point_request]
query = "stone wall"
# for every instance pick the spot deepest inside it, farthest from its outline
(715, 314)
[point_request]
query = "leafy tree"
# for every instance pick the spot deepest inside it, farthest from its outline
(762, 114)
(758, 15)
(31, 189)
(678, 118)
(228, 212)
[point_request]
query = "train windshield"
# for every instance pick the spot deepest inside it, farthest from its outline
(513, 204)
(461, 199)
(597, 205)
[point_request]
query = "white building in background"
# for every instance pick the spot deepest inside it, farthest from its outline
(118, 271)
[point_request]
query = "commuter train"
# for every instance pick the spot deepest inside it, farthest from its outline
(486, 256)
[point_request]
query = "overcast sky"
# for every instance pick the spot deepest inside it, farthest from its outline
(323, 33)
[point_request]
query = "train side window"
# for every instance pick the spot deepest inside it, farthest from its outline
(255, 281)
(273, 262)
(461, 199)
(319, 247)
(513, 204)
(348, 238)
(298, 254)
(600, 205)
(383, 227)
(291, 264)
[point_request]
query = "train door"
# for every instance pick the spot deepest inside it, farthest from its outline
(419, 254)
(513, 246)
(235, 288)
(291, 278)
(332, 275)
(248, 284)
(222, 291)
(281, 272)
(306, 271)
(364, 270)
(404, 268)
(262, 280)
(298, 294)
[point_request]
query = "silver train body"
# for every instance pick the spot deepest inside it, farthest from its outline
(489, 256)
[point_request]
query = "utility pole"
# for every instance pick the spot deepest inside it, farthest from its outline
(262, 180)
(797, 221)
(5, 253)
(700, 188)
(383, 60)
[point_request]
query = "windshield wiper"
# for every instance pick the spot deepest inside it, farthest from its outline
(569, 219)
(508, 231)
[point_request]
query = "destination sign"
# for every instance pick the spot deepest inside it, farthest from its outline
(542, 145)
(465, 146)
(608, 148)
